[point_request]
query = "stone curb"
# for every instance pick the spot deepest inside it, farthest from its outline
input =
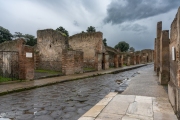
(66, 80)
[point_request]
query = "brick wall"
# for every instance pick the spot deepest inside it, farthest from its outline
(72, 62)
(25, 63)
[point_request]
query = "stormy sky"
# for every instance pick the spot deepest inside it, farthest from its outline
(133, 21)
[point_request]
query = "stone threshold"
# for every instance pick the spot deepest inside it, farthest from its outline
(130, 107)
(26, 85)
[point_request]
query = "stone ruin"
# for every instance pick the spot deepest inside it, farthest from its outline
(91, 44)
(53, 53)
(50, 44)
(166, 62)
(21, 64)
(70, 55)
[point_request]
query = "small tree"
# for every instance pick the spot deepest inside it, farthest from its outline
(63, 31)
(123, 46)
(31, 40)
(104, 41)
(18, 35)
(131, 49)
(91, 29)
(5, 35)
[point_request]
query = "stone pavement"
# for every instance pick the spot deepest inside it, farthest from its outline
(144, 99)
(18, 86)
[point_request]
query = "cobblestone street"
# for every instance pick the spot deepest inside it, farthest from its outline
(63, 101)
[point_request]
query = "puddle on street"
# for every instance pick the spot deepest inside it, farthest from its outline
(63, 101)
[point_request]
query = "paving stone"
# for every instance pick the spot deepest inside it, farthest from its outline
(116, 107)
(143, 99)
(104, 101)
(136, 117)
(94, 111)
(164, 116)
(124, 98)
(43, 112)
(25, 117)
(163, 106)
(55, 114)
(5, 119)
(111, 94)
(44, 117)
(69, 109)
(139, 108)
(86, 118)
(69, 115)
(109, 116)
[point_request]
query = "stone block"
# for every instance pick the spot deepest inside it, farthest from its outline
(109, 116)
(116, 107)
(94, 111)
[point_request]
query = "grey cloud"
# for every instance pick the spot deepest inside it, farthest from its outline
(133, 27)
(75, 23)
(120, 11)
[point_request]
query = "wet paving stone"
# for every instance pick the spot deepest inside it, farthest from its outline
(63, 101)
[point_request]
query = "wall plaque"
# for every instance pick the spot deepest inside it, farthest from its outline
(29, 55)
(173, 53)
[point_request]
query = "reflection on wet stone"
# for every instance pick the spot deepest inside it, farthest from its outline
(63, 101)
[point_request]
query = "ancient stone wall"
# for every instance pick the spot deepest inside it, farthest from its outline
(174, 83)
(72, 62)
(25, 59)
(111, 59)
(158, 35)
(92, 46)
(121, 60)
(106, 61)
(50, 44)
(164, 57)
(132, 59)
(138, 54)
(128, 61)
(125, 58)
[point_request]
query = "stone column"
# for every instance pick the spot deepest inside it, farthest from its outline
(155, 55)
(106, 61)
(128, 61)
(122, 60)
(116, 61)
(158, 32)
(134, 58)
(164, 57)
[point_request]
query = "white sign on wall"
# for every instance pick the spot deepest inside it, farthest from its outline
(29, 55)
(173, 53)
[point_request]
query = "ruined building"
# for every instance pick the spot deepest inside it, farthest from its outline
(91, 44)
(53, 53)
(167, 60)
(16, 60)
(50, 44)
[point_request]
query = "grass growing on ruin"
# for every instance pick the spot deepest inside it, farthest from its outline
(89, 69)
(3, 79)
(47, 71)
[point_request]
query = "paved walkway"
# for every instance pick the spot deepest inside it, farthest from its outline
(144, 99)
(8, 88)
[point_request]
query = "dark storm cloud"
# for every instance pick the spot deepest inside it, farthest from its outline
(120, 11)
(133, 27)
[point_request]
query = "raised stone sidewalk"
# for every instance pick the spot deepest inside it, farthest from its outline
(144, 99)
(19, 86)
